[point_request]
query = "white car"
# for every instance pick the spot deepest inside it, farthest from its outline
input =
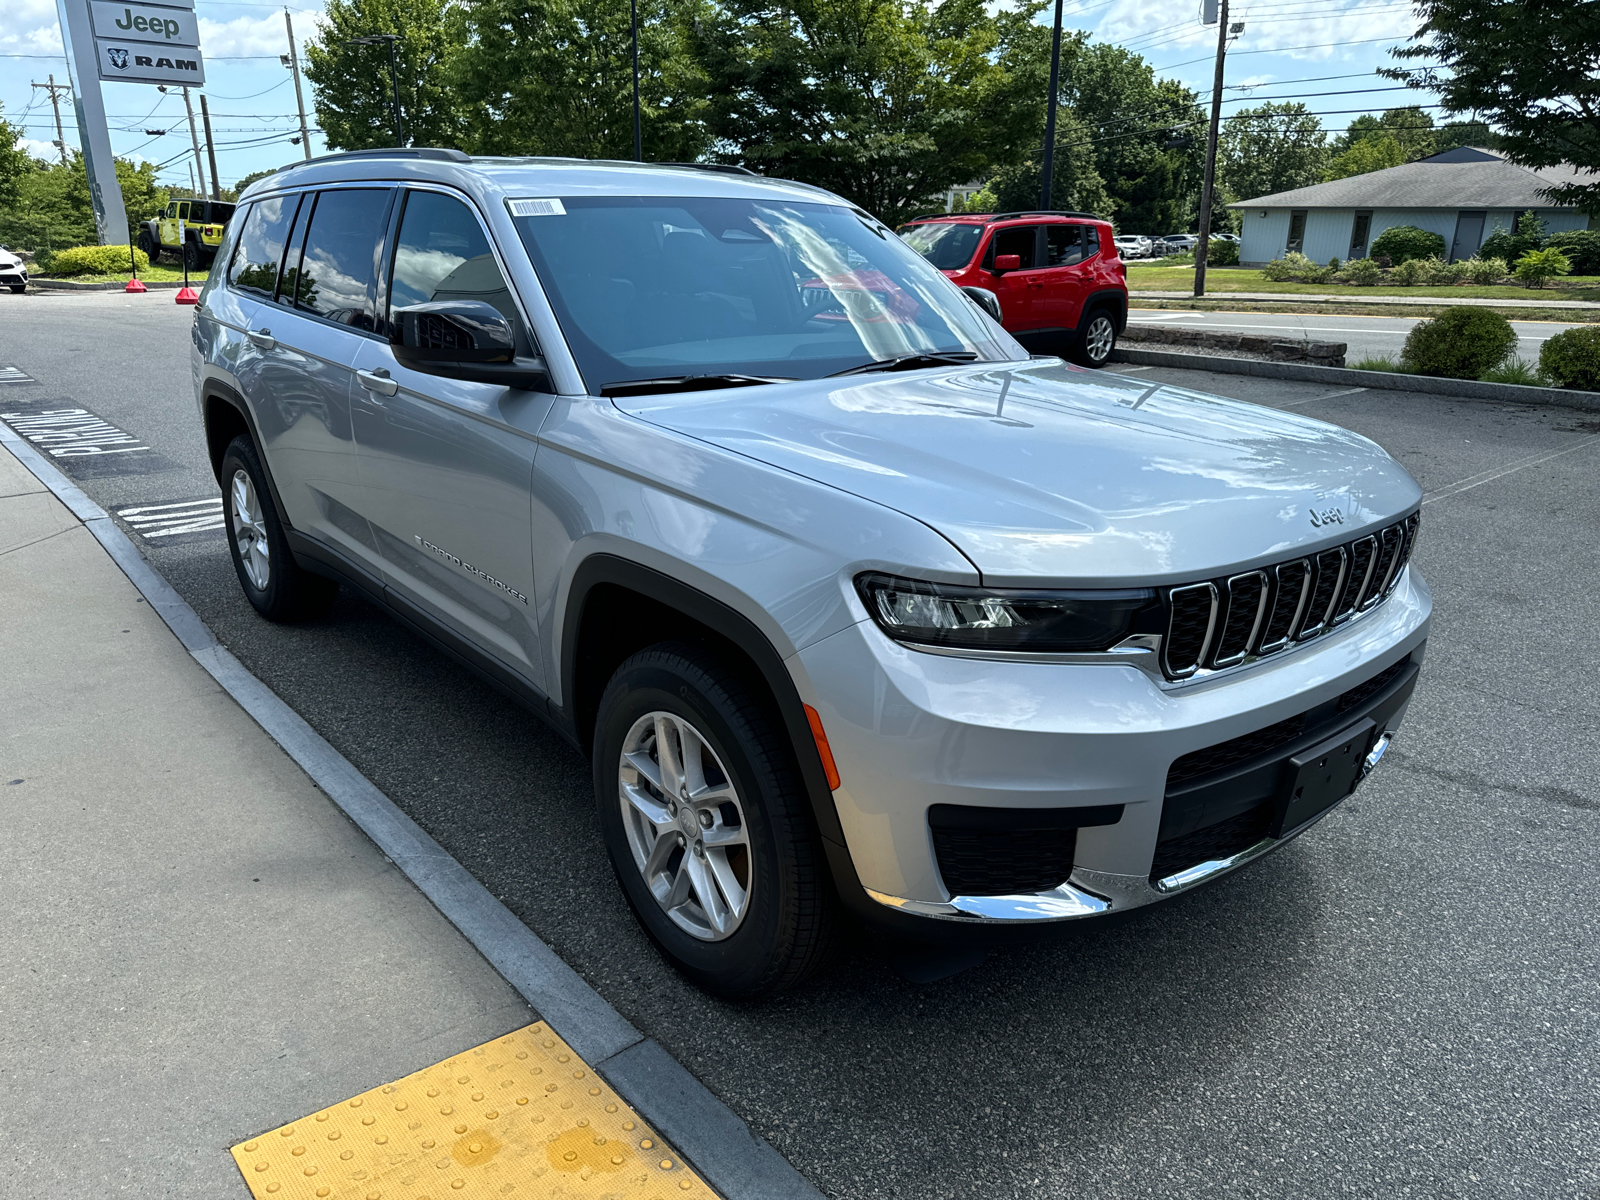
(13, 271)
(1132, 245)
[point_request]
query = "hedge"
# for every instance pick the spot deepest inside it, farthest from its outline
(1401, 243)
(96, 260)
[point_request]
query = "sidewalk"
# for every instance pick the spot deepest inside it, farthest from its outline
(1302, 298)
(199, 945)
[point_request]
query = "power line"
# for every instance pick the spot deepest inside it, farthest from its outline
(1286, 50)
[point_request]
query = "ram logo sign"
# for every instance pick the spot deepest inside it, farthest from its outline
(144, 63)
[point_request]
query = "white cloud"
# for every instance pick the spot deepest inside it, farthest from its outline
(44, 151)
(255, 35)
(1171, 29)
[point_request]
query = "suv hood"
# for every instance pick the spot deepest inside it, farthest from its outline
(1044, 473)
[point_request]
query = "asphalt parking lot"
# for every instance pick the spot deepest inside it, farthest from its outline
(1403, 1003)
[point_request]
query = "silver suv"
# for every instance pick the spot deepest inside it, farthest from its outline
(855, 607)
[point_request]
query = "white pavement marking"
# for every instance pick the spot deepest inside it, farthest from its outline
(72, 433)
(167, 520)
(9, 374)
(1325, 396)
(1522, 464)
(735, 1160)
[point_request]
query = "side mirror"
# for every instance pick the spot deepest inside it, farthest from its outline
(985, 299)
(1007, 262)
(463, 339)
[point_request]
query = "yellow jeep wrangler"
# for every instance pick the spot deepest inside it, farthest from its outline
(203, 222)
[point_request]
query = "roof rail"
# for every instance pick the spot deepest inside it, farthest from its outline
(724, 168)
(436, 153)
(1006, 216)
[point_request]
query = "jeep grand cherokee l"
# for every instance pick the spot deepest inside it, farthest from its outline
(854, 606)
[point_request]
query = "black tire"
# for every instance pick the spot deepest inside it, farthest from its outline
(1097, 337)
(193, 260)
(287, 592)
(19, 288)
(791, 913)
(148, 244)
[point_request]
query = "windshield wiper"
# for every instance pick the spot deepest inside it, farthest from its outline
(911, 362)
(686, 383)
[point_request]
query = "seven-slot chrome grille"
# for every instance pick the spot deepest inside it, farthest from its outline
(1223, 622)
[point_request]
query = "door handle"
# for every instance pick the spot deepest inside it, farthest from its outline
(378, 381)
(263, 339)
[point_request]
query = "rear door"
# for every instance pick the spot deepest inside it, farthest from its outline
(448, 464)
(1066, 277)
(1019, 289)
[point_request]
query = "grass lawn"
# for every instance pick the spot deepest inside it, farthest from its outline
(156, 274)
(1239, 279)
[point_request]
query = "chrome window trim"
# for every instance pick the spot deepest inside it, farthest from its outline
(1211, 628)
(1255, 626)
(1334, 596)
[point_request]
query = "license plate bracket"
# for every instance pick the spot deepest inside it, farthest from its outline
(1318, 778)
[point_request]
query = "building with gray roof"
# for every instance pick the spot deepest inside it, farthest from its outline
(1463, 195)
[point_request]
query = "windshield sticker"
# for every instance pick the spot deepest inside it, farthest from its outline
(536, 208)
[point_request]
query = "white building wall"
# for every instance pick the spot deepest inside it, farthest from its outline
(1328, 233)
(1264, 237)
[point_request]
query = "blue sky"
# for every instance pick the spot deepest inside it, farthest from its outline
(1290, 49)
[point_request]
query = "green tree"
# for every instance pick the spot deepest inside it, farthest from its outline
(885, 102)
(1465, 133)
(1274, 148)
(1075, 184)
(351, 88)
(15, 163)
(1531, 69)
(556, 77)
(1369, 154)
(1409, 127)
(52, 209)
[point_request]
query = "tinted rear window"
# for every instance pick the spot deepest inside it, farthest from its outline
(339, 270)
(260, 252)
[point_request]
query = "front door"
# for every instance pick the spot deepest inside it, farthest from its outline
(1469, 235)
(1017, 289)
(303, 343)
(448, 464)
(167, 228)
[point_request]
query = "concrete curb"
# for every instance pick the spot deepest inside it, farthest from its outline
(1461, 388)
(66, 285)
(734, 1160)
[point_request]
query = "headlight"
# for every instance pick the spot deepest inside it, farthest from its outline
(940, 614)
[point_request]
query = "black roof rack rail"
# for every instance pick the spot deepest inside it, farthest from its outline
(436, 153)
(1006, 216)
(724, 168)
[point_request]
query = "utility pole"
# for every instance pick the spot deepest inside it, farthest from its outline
(55, 102)
(211, 148)
(299, 99)
(194, 140)
(1047, 162)
(192, 192)
(1209, 183)
(638, 145)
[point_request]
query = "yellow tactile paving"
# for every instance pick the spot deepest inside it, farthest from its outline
(518, 1118)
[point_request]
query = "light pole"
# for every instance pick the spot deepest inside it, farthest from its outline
(638, 146)
(1048, 161)
(375, 39)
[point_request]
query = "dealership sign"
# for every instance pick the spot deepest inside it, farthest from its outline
(147, 43)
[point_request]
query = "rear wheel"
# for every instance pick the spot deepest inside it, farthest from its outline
(278, 587)
(707, 823)
(1096, 339)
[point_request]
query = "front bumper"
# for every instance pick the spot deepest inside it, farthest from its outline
(910, 730)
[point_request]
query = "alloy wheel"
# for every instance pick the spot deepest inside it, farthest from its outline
(1100, 338)
(249, 533)
(685, 826)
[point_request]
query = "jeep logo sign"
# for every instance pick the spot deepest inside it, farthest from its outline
(175, 27)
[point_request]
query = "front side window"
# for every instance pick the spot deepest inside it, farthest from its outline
(260, 251)
(1021, 240)
(648, 287)
(339, 268)
(948, 245)
(443, 254)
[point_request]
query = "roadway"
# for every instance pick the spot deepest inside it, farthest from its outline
(1365, 336)
(1401, 1003)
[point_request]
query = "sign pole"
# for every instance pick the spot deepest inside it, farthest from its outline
(105, 193)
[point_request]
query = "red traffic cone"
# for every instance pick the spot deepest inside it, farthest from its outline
(187, 295)
(135, 287)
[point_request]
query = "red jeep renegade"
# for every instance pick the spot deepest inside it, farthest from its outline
(1062, 286)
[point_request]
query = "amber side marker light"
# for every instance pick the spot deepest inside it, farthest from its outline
(829, 767)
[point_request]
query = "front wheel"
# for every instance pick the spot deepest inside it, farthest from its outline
(19, 288)
(707, 823)
(151, 250)
(1095, 340)
(278, 587)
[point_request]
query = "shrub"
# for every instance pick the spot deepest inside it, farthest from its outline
(1513, 244)
(1514, 370)
(1461, 343)
(1383, 260)
(1333, 263)
(1571, 359)
(1222, 253)
(1362, 272)
(1442, 274)
(1292, 265)
(96, 260)
(1401, 243)
(1582, 248)
(1410, 273)
(1485, 271)
(1537, 266)
(1315, 274)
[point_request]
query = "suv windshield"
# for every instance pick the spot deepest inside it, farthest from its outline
(650, 287)
(948, 245)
